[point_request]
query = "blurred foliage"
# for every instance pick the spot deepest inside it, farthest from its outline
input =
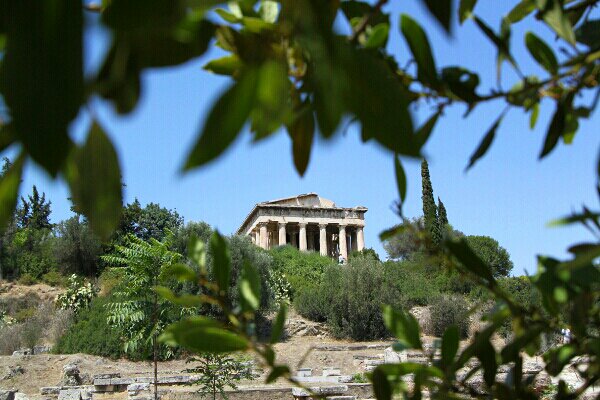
(291, 68)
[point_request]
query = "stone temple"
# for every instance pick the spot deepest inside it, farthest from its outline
(308, 222)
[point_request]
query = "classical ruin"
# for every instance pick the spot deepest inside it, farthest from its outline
(308, 222)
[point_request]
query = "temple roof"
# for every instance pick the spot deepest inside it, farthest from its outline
(303, 200)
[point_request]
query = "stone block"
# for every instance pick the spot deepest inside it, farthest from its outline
(21, 396)
(50, 390)
(69, 394)
(21, 352)
(135, 388)
(332, 371)
(7, 394)
(41, 350)
(304, 372)
(106, 376)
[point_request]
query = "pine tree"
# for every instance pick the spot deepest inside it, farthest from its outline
(442, 216)
(429, 207)
(35, 211)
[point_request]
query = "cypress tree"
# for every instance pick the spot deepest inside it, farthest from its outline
(442, 216)
(429, 207)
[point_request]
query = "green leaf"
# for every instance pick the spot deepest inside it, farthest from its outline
(249, 288)
(542, 53)
(485, 143)
(119, 78)
(400, 178)
(277, 372)
(378, 36)
(555, 129)
(461, 250)
(139, 15)
(552, 13)
(228, 16)
(520, 11)
(9, 191)
(421, 50)
(381, 385)
(302, 131)
(389, 233)
(449, 345)
(225, 120)
(41, 79)
(227, 65)
(190, 39)
(465, 9)
(461, 82)
(278, 325)
(589, 33)
(186, 300)
(272, 105)
(403, 326)
(182, 273)
(486, 354)
(423, 133)
(268, 10)
(501, 42)
(197, 252)
(94, 177)
(354, 10)
(380, 103)
(535, 112)
(221, 260)
(441, 10)
(202, 334)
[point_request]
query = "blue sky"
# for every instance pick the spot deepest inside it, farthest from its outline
(508, 195)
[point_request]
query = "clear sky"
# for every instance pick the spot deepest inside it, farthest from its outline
(508, 195)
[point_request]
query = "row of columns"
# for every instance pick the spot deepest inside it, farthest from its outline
(262, 238)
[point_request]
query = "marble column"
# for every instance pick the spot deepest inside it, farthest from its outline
(257, 236)
(360, 238)
(264, 236)
(310, 240)
(323, 239)
(302, 236)
(343, 244)
(282, 234)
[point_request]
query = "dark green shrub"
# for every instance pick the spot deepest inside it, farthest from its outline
(54, 278)
(91, 334)
(27, 279)
(349, 299)
(415, 285)
(449, 310)
(311, 304)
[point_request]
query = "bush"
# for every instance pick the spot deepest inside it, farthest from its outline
(449, 310)
(25, 314)
(12, 305)
(54, 278)
(311, 304)
(10, 338)
(349, 299)
(91, 334)
(27, 279)
(78, 296)
(109, 279)
(414, 284)
(301, 269)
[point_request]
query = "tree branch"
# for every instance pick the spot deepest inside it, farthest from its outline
(360, 28)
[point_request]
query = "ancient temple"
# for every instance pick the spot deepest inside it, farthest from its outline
(308, 222)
